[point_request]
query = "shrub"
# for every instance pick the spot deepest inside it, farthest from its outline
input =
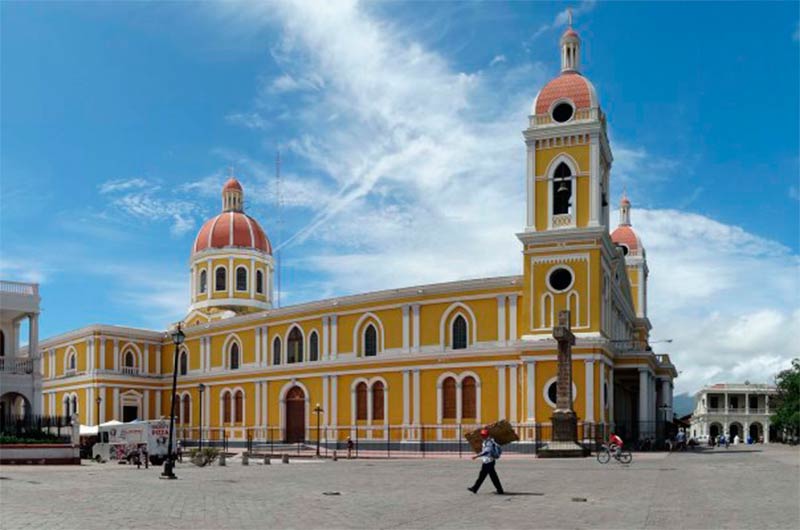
(203, 457)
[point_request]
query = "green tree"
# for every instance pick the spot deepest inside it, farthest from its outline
(786, 405)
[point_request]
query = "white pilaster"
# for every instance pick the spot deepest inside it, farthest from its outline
(210, 277)
(512, 317)
(258, 404)
(325, 399)
(116, 356)
(146, 405)
(252, 279)
(644, 386)
(594, 180)
(326, 353)
(531, 392)
(589, 384)
(602, 390)
(158, 412)
(158, 359)
(501, 392)
(406, 396)
(406, 324)
(146, 361)
(257, 332)
(415, 327)
(530, 181)
(501, 319)
(334, 336)
(115, 415)
(230, 277)
(417, 419)
(334, 400)
(513, 391)
(102, 393)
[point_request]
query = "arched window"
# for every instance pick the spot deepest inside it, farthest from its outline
(226, 407)
(377, 401)
(241, 279)
(294, 346)
(183, 363)
(220, 280)
(276, 351)
(74, 404)
(186, 413)
(259, 282)
(449, 398)
(203, 281)
(71, 361)
(459, 333)
(238, 402)
(234, 364)
(313, 347)
(468, 400)
(562, 189)
(130, 360)
(361, 401)
(370, 341)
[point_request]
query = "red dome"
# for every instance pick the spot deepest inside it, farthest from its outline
(232, 229)
(232, 184)
(624, 235)
(570, 33)
(568, 85)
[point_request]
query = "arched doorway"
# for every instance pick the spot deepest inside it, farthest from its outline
(756, 431)
(14, 406)
(714, 430)
(735, 430)
(295, 415)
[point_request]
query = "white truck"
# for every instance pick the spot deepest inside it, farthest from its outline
(121, 441)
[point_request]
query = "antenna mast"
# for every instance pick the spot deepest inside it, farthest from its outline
(279, 205)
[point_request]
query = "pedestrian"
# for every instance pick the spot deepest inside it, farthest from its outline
(141, 457)
(146, 457)
(180, 452)
(490, 452)
(349, 448)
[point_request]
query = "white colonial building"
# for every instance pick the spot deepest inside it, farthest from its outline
(20, 368)
(733, 409)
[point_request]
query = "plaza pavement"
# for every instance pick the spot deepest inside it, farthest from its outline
(734, 488)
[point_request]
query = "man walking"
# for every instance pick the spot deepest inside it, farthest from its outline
(490, 452)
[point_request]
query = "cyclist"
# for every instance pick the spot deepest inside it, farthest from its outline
(615, 445)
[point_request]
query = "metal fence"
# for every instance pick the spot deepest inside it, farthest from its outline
(31, 426)
(381, 441)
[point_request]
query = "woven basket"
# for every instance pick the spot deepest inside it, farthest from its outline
(502, 432)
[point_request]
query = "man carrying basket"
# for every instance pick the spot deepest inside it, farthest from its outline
(490, 452)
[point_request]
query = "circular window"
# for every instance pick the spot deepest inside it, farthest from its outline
(625, 249)
(551, 392)
(560, 279)
(562, 112)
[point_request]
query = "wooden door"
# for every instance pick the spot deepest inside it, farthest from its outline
(295, 415)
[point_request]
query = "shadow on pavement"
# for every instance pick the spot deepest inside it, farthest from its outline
(525, 493)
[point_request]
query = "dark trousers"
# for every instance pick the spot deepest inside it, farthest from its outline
(488, 469)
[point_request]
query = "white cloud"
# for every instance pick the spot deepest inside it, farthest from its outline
(497, 60)
(423, 179)
(250, 120)
(562, 17)
(24, 270)
(123, 185)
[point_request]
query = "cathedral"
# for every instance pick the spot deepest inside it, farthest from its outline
(386, 365)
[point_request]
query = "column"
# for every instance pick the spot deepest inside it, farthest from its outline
(746, 403)
(406, 324)
(335, 401)
(252, 278)
(726, 402)
(209, 279)
(146, 405)
(257, 333)
(666, 392)
(766, 406)
(326, 354)
(588, 366)
(501, 319)
(116, 357)
(33, 335)
(459, 403)
(766, 431)
(594, 180)
(513, 391)
(258, 403)
(102, 393)
(406, 396)
(115, 405)
(512, 317)
(644, 385)
(415, 327)
(158, 358)
(159, 413)
(417, 418)
(264, 345)
(90, 406)
(531, 188)
(88, 361)
(501, 392)
(325, 399)
(335, 336)
(146, 358)
(531, 392)
(230, 277)
(611, 395)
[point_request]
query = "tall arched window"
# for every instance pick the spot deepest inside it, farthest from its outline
(361, 401)
(71, 362)
(226, 407)
(238, 412)
(276, 351)
(468, 399)
(562, 189)
(294, 346)
(74, 404)
(186, 413)
(203, 281)
(130, 360)
(449, 398)
(259, 282)
(183, 364)
(241, 279)
(220, 282)
(313, 347)
(234, 364)
(459, 333)
(377, 401)
(370, 341)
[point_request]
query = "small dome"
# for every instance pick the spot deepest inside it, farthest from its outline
(570, 34)
(625, 201)
(232, 184)
(232, 229)
(626, 236)
(569, 85)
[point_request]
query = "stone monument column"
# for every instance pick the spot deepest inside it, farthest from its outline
(565, 422)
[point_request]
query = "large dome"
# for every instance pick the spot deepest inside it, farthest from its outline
(232, 228)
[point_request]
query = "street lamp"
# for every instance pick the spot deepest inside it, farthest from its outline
(98, 401)
(169, 463)
(201, 388)
(317, 411)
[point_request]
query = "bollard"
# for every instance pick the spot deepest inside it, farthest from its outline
(285, 459)
(245, 459)
(335, 458)
(221, 459)
(266, 461)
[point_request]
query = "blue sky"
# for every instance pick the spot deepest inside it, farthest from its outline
(399, 125)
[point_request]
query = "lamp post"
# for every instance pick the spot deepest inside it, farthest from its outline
(317, 411)
(169, 463)
(201, 388)
(98, 401)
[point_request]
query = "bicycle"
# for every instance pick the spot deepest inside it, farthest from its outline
(605, 453)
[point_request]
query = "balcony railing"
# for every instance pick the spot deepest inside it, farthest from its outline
(16, 366)
(129, 370)
(29, 289)
(562, 220)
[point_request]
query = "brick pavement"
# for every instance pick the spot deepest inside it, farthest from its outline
(737, 488)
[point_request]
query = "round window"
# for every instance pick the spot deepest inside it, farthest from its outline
(625, 250)
(560, 279)
(552, 391)
(562, 112)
